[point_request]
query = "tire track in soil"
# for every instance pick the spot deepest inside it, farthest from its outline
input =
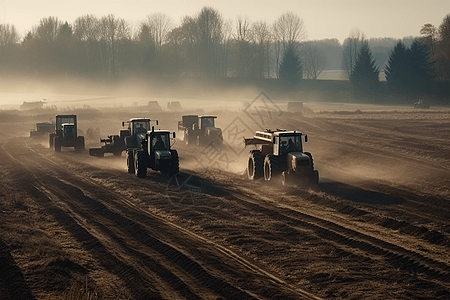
(399, 257)
(420, 206)
(12, 281)
(136, 285)
(141, 235)
(395, 255)
(73, 221)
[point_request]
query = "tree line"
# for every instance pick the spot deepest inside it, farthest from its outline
(202, 45)
(207, 45)
(411, 72)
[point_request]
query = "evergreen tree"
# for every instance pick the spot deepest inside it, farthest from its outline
(422, 72)
(291, 70)
(409, 71)
(397, 70)
(364, 76)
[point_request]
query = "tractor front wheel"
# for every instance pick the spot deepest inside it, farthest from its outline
(271, 167)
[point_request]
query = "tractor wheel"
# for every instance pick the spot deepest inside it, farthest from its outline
(255, 166)
(80, 143)
(130, 162)
(51, 137)
(310, 157)
(174, 164)
(271, 167)
(202, 140)
(140, 164)
(57, 144)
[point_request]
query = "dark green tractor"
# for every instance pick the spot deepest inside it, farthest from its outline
(150, 149)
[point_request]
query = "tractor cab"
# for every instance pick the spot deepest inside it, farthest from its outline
(137, 128)
(288, 142)
(159, 140)
(138, 125)
(159, 148)
(206, 121)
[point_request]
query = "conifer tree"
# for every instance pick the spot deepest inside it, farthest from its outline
(364, 77)
(422, 72)
(397, 70)
(291, 70)
(409, 71)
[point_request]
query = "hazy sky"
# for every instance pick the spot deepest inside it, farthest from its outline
(322, 18)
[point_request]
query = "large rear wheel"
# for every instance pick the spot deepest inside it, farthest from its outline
(271, 167)
(255, 165)
(140, 164)
(130, 162)
(57, 143)
(174, 163)
(51, 138)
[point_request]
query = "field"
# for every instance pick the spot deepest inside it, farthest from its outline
(377, 226)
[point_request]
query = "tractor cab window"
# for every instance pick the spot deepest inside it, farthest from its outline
(207, 122)
(290, 143)
(160, 142)
(69, 131)
(141, 127)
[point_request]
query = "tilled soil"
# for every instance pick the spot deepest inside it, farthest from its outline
(376, 227)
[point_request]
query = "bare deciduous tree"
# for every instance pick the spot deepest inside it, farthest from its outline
(86, 32)
(430, 36)
(352, 44)
(210, 37)
(112, 32)
(262, 38)
(47, 30)
(288, 29)
(242, 50)
(8, 35)
(9, 42)
(159, 26)
(313, 60)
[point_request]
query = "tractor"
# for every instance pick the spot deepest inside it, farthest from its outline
(66, 134)
(42, 129)
(200, 130)
(149, 149)
(114, 144)
(279, 153)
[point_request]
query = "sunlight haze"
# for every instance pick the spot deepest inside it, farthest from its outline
(322, 19)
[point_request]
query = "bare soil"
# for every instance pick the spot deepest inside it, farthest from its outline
(377, 226)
